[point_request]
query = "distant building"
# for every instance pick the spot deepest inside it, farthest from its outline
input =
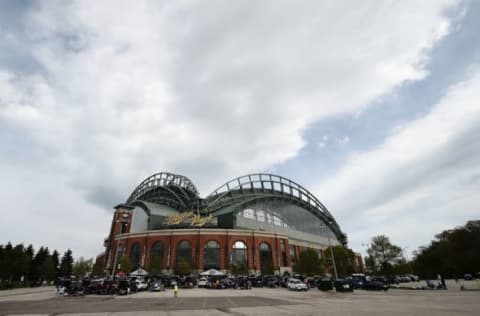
(257, 221)
(359, 264)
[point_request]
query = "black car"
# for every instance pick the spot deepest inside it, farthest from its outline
(359, 280)
(122, 287)
(325, 284)
(271, 281)
(343, 285)
(377, 284)
(256, 281)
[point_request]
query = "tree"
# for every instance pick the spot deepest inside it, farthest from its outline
(266, 265)
(402, 267)
(48, 269)
(82, 267)
(37, 273)
(309, 262)
(155, 264)
(98, 266)
(183, 267)
(382, 255)
(452, 253)
(240, 268)
(66, 264)
(20, 266)
(56, 261)
(124, 264)
(344, 260)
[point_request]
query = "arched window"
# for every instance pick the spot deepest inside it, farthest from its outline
(293, 255)
(184, 256)
(156, 258)
(266, 259)
(135, 256)
(211, 255)
(239, 258)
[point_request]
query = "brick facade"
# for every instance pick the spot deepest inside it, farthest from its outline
(121, 238)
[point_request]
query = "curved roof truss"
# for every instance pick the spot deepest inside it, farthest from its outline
(248, 189)
(178, 190)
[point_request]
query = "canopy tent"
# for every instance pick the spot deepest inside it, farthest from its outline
(212, 272)
(138, 273)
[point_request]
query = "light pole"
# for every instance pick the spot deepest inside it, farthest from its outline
(333, 257)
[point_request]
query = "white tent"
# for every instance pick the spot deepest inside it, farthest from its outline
(138, 273)
(212, 272)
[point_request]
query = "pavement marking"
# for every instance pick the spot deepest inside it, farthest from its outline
(179, 300)
(232, 303)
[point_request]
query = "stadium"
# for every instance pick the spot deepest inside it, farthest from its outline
(257, 223)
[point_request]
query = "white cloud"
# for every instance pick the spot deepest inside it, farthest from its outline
(343, 140)
(206, 89)
(421, 180)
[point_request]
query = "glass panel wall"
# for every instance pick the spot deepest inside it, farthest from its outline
(156, 258)
(239, 260)
(293, 255)
(135, 256)
(283, 251)
(211, 255)
(183, 258)
(266, 259)
(284, 217)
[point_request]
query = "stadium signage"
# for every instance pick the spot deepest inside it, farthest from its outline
(194, 219)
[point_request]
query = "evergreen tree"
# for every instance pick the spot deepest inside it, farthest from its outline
(48, 269)
(29, 252)
(56, 261)
(20, 266)
(66, 264)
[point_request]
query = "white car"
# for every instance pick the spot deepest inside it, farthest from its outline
(202, 282)
(296, 285)
(141, 285)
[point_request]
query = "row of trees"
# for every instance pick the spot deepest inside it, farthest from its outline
(452, 253)
(23, 266)
(310, 263)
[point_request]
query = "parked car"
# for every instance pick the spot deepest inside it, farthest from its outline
(343, 285)
(244, 283)
(156, 286)
(359, 280)
(202, 282)
(468, 277)
(271, 281)
(141, 285)
(256, 281)
(123, 287)
(296, 285)
(376, 284)
(325, 284)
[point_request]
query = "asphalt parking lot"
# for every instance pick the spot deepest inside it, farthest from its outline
(239, 303)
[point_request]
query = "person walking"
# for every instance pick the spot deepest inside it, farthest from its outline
(175, 291)
(442, 280)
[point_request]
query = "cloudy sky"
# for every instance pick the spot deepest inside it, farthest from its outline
(374, 106)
